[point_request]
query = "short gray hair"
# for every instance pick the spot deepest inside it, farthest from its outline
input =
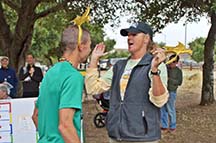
(69, 38)
(4, 88)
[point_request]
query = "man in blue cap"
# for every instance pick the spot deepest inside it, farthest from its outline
(137, 87)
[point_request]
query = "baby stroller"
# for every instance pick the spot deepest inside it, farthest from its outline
(103, 100)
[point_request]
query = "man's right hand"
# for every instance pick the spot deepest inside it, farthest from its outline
(31, 71)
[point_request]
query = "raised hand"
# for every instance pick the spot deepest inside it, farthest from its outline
(31, 71)
(159, 57)
(96, 54)
(98, 51)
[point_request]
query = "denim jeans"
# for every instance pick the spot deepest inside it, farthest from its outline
(168, 112)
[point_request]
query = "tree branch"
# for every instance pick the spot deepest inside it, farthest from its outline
(12, 5)
(143, 3)
(53, 9)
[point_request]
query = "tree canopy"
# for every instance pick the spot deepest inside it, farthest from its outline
(19, 17)
(160, 13)
(197, 46)
(46, 38)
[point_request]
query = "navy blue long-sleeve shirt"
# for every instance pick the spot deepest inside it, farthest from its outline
(9, 75)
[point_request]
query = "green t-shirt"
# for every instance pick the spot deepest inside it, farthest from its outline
(175, 78)
(61, 88)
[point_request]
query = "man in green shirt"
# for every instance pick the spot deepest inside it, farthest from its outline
(57, 114)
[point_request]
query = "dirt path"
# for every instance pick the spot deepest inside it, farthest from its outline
(195, 124)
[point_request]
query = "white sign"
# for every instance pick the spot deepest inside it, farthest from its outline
(16, 125)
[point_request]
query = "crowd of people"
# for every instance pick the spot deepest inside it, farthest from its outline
(29, 75)
(142, 88)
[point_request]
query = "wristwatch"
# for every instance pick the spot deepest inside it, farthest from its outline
(156, 73)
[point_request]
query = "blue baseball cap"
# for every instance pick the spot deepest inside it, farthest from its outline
(140, 27)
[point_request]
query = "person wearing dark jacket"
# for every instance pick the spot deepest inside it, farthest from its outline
(168, 111)
(30, 76)
(8, 76)
(137, 86)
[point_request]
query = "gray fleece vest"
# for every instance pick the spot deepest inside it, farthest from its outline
(135, 118)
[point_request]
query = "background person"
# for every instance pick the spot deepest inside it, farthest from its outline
(31, 76)
(168, 111)
(137, 90)
(8, 74)
(4, 91)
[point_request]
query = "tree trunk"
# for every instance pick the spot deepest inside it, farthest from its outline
(49, 59)
(15, 44)
(208, 67)
(5, 33)
(19, 47)
(23, 33)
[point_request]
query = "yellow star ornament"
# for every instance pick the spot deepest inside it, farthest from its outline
(177, 50)
(79, 20)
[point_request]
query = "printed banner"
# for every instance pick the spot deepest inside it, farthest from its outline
(16, 125)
